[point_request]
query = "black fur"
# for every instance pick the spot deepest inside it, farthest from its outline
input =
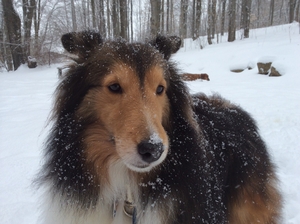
(215, 147)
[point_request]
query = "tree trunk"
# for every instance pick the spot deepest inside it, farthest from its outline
(213, 18)
(245, 17)
(231, 23)
(193, 19)
(28, 10)
(258, 13)
(101, 25)
(84, 14)
(115, 18)
(140, 21)
(123, 19)
(209, 21)
(12, 24)
(171, 17)
(197, 19)
(108, 17)
(168, 17)
(6, 53)
(271, 13)
(37, 21)
(155, 18)
(131, 21)
(292, 4)
(74, 23)
(223, 17)
(93, 14)
(183, 19)
(162, 16)
(297, 10)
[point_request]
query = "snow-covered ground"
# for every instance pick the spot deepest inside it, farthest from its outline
(26, 98)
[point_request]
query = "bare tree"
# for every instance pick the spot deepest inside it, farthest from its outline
(292, 4)
(93, 6)
(231, 23)
(123, 19)
(297, 11)
(101, 20)
(214, 18)
(162, 16)
(155, 17)
(271, 13)
(245, 17)
(12, 24)
(183, 19)
(28, 11)
(131, 20)
(37, 23)
(170, 16)
(115, 18)
(108, 17)
(209, 21)
(74, 23)
(223, 17)
(196, 18)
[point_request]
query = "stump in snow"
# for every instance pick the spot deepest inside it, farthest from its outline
(31, 62)
(237, 70)
(274, 72)
(263, 68)
(238, 67)
(277, 69)
(242, 66)
(264, 65)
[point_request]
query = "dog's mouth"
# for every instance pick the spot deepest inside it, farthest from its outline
(136, 164)
(138, 167)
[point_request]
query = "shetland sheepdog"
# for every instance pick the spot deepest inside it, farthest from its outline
(129, 144)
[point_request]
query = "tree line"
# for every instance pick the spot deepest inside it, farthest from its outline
(32, 28)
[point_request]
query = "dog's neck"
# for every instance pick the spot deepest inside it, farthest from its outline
(126, 209)
(121, 192)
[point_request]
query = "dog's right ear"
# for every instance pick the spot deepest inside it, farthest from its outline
(166, 45)
(81, 43)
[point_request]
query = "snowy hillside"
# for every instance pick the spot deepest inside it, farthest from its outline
(26, 99)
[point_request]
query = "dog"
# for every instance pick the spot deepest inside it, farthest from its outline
(129, 144)
(192, 77)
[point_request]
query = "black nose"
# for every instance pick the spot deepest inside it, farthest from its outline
(150, 152)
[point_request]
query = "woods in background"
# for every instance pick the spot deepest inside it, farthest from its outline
(32, 28)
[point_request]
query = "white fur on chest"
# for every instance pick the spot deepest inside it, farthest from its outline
(120, 182)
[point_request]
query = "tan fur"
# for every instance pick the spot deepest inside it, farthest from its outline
(256, 207)
(192, 77)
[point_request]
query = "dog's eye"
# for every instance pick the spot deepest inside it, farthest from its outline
(160, 89)
(116, 88)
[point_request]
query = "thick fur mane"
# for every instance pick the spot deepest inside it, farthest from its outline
(212, 165)
(65, 163)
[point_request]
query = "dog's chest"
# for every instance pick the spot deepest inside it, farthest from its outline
(121, 215)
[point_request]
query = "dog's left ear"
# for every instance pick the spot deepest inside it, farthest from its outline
(166, 45)
(81, 43)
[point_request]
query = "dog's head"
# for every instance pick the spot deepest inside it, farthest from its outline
(118, 91)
